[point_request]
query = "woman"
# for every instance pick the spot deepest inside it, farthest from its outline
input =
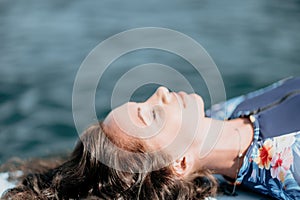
(167, 148)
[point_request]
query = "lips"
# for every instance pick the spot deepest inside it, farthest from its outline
(182, 96)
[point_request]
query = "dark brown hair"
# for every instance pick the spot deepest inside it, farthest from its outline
(83, 175)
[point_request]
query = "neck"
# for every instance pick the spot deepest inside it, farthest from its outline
(219, 152)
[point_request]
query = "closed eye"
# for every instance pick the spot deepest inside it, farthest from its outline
(140, 116)
(154, 114)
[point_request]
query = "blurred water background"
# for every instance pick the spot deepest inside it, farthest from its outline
(43, 43)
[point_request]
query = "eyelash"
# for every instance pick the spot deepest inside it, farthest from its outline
(154, 114)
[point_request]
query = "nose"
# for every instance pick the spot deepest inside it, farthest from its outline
(163, 94)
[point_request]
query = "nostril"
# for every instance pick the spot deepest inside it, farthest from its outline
(166, 98)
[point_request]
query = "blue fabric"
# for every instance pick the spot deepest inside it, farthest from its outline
(276, 109)
(4, 183)
(271, 164)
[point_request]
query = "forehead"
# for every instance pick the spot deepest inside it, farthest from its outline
(124, 118)
(123, 125)
(123, 122)
(119, 137)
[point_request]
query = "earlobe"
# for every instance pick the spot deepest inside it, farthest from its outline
(182, 165)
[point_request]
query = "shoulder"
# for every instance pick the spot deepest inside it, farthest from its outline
(252, 100)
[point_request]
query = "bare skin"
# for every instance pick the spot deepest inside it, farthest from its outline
(175, 123)
(222, 159)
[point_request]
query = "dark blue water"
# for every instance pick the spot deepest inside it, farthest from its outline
(42, 44)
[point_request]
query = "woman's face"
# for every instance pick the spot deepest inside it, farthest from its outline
(166, 120)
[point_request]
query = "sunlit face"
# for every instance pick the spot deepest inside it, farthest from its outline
(166, 120)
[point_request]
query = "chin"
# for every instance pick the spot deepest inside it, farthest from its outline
(199, 100)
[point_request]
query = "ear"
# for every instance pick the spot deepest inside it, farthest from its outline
(183, 165)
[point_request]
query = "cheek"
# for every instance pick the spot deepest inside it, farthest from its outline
(168, 129)
(178, 135)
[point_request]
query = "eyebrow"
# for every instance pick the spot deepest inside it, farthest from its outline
(140, 116)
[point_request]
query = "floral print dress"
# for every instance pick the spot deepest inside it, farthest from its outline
(271, 165)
